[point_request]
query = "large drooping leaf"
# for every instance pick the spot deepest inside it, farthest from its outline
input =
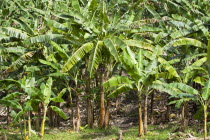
(94, 57)
(168, 67)
(5, 38)
(12, 32)
(120, 89)
(48, 63)
(59, 111)
(78, 55)
(112, 49)
(189, 41)
(19, 62)
(185, 88)
(196, 65)
(164, 87)
(16, 50)
(146, 29)
(206, 91)
(25, 26)
(185, 41)
(179, 34)
(11, 103)
(60, 50)
(42, 38)
(58, 98)
(129, 61)
(55, 24)
(12, 96)
(117, 80)
(140, 44)
(119, 42)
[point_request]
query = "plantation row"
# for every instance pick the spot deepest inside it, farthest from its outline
(93, 50)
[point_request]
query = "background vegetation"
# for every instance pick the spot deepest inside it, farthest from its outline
(81, 56)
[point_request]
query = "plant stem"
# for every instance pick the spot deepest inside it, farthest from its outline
(43, 121)
(205, 121)
(29, 124)
(141, 130)
(145, 114)
(102, 106)
(25, 131)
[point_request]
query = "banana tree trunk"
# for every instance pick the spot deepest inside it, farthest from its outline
(25, 129)
(107, 115)
(205, 121)
(90, 116)
(141, 130)
(102, 106)
(78, 115)
(43, 121)
(145, 114)
(29, 124)
(8, 117)
(184, 121)
(151, 109)
(73, 120)
(72, 111)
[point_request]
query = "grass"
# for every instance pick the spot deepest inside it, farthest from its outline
(158, 132)
(154, 133)
(86, 134)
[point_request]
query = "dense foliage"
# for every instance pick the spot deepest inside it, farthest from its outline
(91, 51)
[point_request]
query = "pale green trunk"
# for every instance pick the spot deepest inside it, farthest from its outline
(205, 122)
(43, 122)
(29, 124)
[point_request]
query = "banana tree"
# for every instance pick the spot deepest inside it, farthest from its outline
(142, 68)
(46, 98)
(34, 96)
(100, 47)
(184, 91)
(25, 86)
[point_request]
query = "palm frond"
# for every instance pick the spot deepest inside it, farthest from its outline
(78, 55)
(12, 32)
(168, 67)
(112, 49)
(117, 80)
(94, 57)
(42, 38)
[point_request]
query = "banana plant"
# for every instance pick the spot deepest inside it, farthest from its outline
(34, 96)
(46, 98)
(141, 67)
(25, 86)
(184, 91)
